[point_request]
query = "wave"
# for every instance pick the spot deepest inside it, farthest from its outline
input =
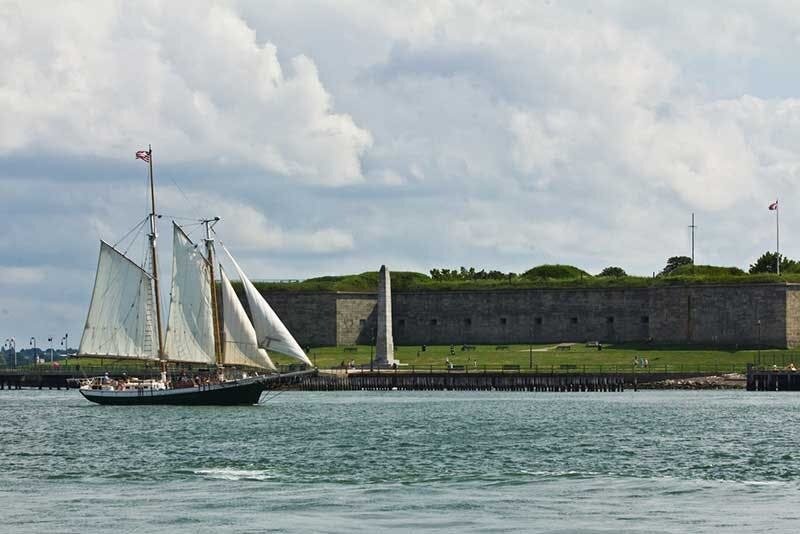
(226, 473)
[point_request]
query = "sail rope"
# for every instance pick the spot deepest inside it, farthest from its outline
(137, 229)
(267, 399)
(193, 204)
(194, 227)
(193, 219)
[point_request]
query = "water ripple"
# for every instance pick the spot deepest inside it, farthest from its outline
(366, 461)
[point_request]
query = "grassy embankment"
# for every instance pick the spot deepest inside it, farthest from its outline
(545, 358)
(411, 281)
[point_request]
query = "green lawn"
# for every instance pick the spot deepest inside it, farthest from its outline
(544, 357)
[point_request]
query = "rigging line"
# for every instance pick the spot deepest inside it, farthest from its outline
(133, 241)
(267, 399)
(136, 227)
(182, 218)
(145, 254)
(195, 225)
(190, 232)
(188, 200)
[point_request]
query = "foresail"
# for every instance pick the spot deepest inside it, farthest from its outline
(241, 344)
(190, 330)
(121, 319)
(265, 358)
(271, 332)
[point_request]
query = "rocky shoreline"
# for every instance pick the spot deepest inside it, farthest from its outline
(725, 381)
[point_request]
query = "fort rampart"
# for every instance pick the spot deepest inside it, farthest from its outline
(737, 314)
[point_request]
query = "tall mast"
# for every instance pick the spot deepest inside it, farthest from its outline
(153, 236)
(209, 223)
(777, 240)
(693, 227)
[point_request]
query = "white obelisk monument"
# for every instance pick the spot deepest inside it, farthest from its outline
(384, 344)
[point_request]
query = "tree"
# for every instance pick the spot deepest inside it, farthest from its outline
(613, 271)
(767, 264)
(674, 262)
(555, 271)
(462, 273)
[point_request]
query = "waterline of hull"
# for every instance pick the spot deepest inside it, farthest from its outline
(240, 392)
(232, 393)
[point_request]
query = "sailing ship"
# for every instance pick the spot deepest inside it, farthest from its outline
(124, 322)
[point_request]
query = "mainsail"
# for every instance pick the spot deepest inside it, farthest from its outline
(272, 334)
(121, 319)
(241, 344)
(190, 330)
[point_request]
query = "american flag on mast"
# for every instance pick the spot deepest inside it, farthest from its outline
(144, 155)
(774, 205)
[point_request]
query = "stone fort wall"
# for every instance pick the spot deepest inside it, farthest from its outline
(708, 315)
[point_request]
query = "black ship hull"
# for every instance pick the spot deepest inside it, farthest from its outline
(232, 393)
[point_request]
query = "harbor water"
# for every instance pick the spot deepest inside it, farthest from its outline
(647, 461)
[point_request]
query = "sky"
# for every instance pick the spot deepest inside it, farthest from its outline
(334, 137)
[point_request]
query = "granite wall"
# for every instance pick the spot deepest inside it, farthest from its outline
(356, 319)
(309, 316)
(793, 316)
(709, 315)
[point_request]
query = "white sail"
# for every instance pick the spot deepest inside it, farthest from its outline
(241, 344)
(121, 320)
(271, 332)
(265, 357)
(190, 330)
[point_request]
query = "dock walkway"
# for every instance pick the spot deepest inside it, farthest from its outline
(556, 380)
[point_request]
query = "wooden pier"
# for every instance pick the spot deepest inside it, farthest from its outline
(37, 379)
(772, 380)
(423, 380)
(456, 381)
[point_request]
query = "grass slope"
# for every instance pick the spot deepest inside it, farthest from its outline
(411, 281)
(621, 357)
(546, 358)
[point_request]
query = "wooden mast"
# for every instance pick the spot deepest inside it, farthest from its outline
(153, 236)
(215, 312)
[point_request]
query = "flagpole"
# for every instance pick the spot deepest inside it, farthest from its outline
(777, 238)
(692, 226)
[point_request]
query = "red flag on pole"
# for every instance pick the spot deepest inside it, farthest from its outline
(144, 155)
(774, 205)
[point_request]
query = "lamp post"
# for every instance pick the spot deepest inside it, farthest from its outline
(35, 356)
(530, 349)
(372, 350)
(13, 346)
(759, 342)
(50, 341)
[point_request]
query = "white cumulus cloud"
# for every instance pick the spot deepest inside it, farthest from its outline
(101, 79)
